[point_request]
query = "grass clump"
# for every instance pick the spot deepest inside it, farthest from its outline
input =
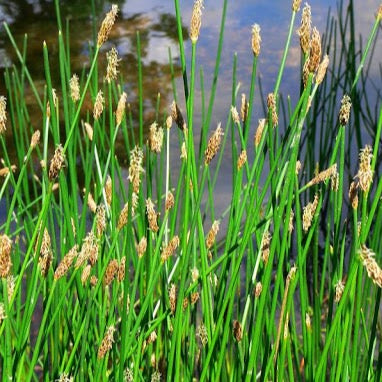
(115, 272)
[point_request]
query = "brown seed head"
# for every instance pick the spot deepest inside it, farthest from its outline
(259, 131)
(177, 116)
(194, 274)
(169, 201)
(111, 272)
(109, 190)
(141, 247)
(5, 255)
(56, 163)
(339, 290)
(194, 297)
(315, 51)
(46, 254)
(265, 246)
(35, 140)
(11, 283)
(237, 330)
(290, 225)
(256, 39)
(258, 289)
(91, 203)
(345, 110)
(171, 247)
(169, 122)
(98, 105)
(308, 214)
(321, 71)
(235, 115)
(89, 250)
(213, 145)
(305, 29)
(106, 26)
(6, 170)
(373, 269)
(136, 169)
(121, 108)
(121, 269)
(152, 216)
(89, 130)
(244, 108)
(242, 160)
(196, 20)
(183, 151)
(3, 114)
(296, 5)
(353, 195)
(365, 173)
(112, 65)
(379, 13)
(74, 85)
(323, 175)
(201, 333)
(122, 220)
(172, 297)
(100, 220)
(156, 138)
(211, 236)
(107, 342)
(85, 274)
(66, 263)
(271, 101)
(48, 105)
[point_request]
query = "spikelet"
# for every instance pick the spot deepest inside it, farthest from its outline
(211, 236)
(256, 39)
(156, 138)
(168, 122)
(66, 263)
(196, 20)
(235, 115)
(323, 175)
(141, 247)
(339, 290)
(237, 330)
(321, 71)
(134, 203)
(136, 169)
(5, 255)
(290, 225)
(271, 101)
(151, 215)
(107, 342)
(345, 110)
(177, 116)
(373, 269)
(121, 108)
(112, 65)
(379, 13)
(109, 190)
(305, 29)
(91, 203)
(55, 100)
(6, 170)
(242, 160)
(169, 201)
(111, 272)
(89, 130)
(353, 195)
(46, 254)
(3, 114)
(156, 376)
(85, 274)
(65, 377)
(298, 167)
(194, 274)
(194, 297)
(308, 214)
(98, 105)
(296, 5)
(89, 249)
(121, 269)
(106, 26)
(244, 108)
(258, 289)
(365, 173)
(213, 145)
(315, 51)
(93, 280)
(259, 132)
(171, 247)
(56, 163)
(35, 140)
(100, 220)
(201, 333)
(183, 151)
(265, 246)
(11, 283)
(123, 216)
(74, 85)
(172, 297)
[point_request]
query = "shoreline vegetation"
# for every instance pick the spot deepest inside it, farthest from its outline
(134, 276)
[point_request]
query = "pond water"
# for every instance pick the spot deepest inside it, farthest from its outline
(155, 20)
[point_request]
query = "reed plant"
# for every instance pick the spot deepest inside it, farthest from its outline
(128, 272)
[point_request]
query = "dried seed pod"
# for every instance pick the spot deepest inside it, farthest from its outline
(373, 269)
(353, 195)
(141, 247)
(35, 140)
(177, 116)
(321, 71)
(196, 20)
(308, 214)
(365, 173)
(242, 160)
(106, 26)
(46, 254)
(66, 263)
(315, 51)
(211, 236)
(156, 138)
(123, 216)
(345, 110)
(256, 39)
(296, 5)
(171, 247)
(74, 85)
(112, 65)
(98, 105)
(111, 272)
(305, 29)
(5, 255)
(56, 163)
(259, 131)
(135, 168)
(169, 201)
(237, 330)
(121, 108)
(152, 216)
(213, 145)
(107, 342)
